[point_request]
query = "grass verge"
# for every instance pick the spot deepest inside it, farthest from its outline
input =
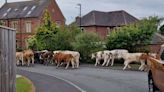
(24, 85)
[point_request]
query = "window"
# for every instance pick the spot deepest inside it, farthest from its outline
(53, 10)
(16, 9)
(8, 10)
(4, 14)
(28, 27)
(25, 8)
(14, 24)
(58, 23)
(29, 12)
(33, 7)
(82, 29)
(2, 23)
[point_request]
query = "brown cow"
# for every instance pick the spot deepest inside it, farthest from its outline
(66, 58)
(145, 56)
(28, 55)
(46, 57)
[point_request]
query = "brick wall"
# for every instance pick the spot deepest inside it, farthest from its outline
(101, 31)
(55, 12)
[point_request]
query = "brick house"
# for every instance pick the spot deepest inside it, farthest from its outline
(103, 22)
(26, 16)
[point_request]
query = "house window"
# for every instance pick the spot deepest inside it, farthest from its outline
(58, 23)
(2, 23)
(53, 10)
(14, 25)
(28, 27)
(4, 14)
(8, 10)
(82, 29)
(33, 7)
(25, 8)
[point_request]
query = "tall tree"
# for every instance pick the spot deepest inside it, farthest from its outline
(45, 33)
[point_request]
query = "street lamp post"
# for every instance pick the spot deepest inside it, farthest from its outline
(79, 14)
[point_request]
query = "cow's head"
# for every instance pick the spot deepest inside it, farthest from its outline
(93, 55)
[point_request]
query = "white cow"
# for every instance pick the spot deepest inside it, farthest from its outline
(111, 55)
(75, 54)
(101, 55)
(133, 57)
(117, 54)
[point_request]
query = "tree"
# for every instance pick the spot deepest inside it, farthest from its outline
(51, 37)
(46, 32)
(128, 37)
(32, 43)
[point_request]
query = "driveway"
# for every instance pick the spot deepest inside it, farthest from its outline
(93, 79)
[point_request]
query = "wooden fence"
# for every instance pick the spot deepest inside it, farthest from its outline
(7, 59)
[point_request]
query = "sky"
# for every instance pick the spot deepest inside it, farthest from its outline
(137, 8)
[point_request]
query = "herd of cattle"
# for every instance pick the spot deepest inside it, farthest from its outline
(67, 57)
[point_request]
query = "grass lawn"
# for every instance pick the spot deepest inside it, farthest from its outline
(23, 85)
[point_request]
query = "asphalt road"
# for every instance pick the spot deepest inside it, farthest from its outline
(44, 83)
(92, 79)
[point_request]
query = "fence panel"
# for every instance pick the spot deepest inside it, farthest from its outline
(7, 59)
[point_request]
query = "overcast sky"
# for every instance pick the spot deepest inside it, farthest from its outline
(138, 8)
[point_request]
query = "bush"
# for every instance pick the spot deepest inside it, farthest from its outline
(87, 43)
(128, 37)
(62, 40)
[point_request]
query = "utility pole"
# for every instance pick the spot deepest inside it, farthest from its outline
(80, 14)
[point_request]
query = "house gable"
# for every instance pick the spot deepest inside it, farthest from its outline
(55, 12)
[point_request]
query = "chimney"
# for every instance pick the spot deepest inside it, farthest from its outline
(5, 1)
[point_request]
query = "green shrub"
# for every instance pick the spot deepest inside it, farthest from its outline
(87, 43)
(128, 37)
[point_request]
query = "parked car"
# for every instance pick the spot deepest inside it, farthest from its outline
(155, 75)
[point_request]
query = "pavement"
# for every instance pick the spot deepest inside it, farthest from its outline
(93, 79)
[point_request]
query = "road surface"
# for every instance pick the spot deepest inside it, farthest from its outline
(93, 79)
(44, 83)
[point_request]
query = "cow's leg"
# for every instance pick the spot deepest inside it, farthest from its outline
(108, 61)
(22, 60)
(47, 62)
(32, 61)
(125, 65)
(96, 62)
(142, 66)
(28, 62)
(105, 61)
(57, 64)
(72, 63)
(129, 66)
(67, 65)
(77, 63)
(17, 62)
(113, 57)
